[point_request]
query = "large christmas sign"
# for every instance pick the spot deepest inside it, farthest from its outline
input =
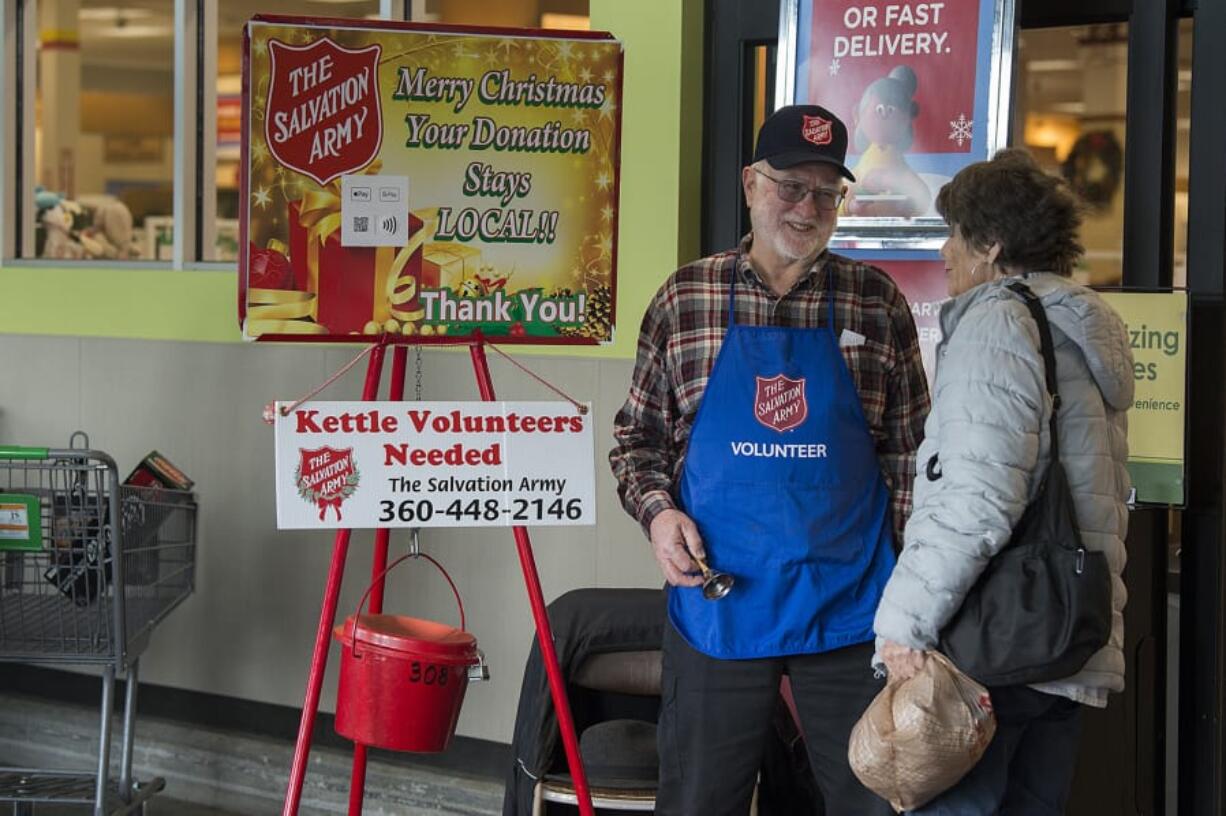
(920, 86)
(417, 180)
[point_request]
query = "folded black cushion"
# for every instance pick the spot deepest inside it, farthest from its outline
(620, 754)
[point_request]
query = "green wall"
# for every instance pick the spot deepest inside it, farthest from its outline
(658, 229)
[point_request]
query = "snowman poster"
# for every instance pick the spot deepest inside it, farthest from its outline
(921, 86)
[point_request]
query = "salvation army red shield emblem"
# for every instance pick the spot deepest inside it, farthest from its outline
(326, 476)
(323, 117)
(817, 130)
(780, 402)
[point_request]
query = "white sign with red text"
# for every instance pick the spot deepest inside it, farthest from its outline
(434, 464)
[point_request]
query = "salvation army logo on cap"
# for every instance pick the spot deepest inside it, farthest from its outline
(817, 130)
(780, 403)
(326, 476)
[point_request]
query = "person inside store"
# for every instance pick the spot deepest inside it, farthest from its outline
(985, 454)
(776, 404)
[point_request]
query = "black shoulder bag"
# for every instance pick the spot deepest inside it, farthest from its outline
(1042, 606)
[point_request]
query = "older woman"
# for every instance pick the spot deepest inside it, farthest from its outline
(989, 432)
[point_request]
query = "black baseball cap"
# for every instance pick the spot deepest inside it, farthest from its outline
(797, 134)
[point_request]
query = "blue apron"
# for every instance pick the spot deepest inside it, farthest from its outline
(782, 478)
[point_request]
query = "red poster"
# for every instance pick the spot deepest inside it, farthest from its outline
(893, 70)
(903, 77)
(923, 285)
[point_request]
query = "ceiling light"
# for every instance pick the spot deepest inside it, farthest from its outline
(1073, 108)
(132, 32)
(1049, 65)
(109, 14)
(568, 22)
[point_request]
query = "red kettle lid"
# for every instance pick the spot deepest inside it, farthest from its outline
(400, 633)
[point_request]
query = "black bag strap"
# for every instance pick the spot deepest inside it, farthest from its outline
(1047, 347)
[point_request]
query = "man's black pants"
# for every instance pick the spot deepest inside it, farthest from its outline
(715, 718)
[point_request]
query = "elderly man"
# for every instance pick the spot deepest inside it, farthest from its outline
(771, 427)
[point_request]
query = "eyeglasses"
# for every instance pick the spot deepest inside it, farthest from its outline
(794, 192)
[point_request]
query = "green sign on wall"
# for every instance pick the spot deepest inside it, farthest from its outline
(1157, 330)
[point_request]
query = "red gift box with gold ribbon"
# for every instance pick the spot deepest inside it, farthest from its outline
(357, 289)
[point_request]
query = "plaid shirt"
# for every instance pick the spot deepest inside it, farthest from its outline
(681, 335)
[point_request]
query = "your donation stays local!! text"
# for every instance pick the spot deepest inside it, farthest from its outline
(308, 422)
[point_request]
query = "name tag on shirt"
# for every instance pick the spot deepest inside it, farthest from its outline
(850, 339)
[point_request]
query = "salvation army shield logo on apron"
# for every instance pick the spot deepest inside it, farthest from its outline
(780, 403)
(323, 117)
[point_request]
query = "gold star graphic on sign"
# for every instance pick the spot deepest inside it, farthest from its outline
(607, 107)
(603, 181)
(585, 75)
(566, 49)
(261, 197)
(606, 212)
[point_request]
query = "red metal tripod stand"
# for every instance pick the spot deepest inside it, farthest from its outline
(327, 614)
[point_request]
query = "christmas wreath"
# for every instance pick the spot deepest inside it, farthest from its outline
(1094, 167)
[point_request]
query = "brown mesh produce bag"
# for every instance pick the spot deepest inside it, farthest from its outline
(918, 737)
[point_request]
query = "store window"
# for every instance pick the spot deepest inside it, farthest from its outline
(101, 160)
(221, 242)
(1069, 112)
(104, 130)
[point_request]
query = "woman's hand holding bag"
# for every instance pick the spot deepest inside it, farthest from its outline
(921, 735)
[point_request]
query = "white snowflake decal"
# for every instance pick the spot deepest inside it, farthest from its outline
(960, 129)
(834, 67)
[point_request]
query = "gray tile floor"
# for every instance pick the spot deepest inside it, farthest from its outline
(158, 806)
(213, 773)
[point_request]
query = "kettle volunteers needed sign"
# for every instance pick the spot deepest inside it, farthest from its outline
(418, 180)
(434, 464)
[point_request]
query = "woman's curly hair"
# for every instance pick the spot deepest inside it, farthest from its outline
(1009, 200)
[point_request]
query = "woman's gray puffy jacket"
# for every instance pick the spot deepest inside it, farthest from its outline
(989, 424)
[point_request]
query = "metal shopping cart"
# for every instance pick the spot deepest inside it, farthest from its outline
(88, 567)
